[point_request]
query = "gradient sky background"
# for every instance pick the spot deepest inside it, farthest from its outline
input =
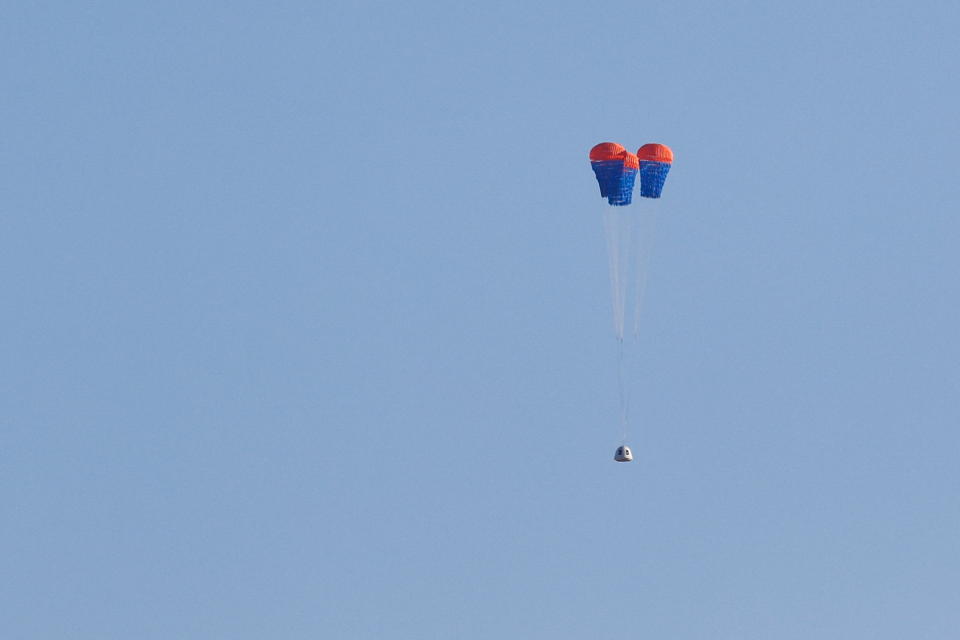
(306, 330)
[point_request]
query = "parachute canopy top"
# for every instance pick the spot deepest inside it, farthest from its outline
(616, 171)
(655, 161)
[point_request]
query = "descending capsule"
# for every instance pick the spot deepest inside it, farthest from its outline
(616, 171)
(655, 161)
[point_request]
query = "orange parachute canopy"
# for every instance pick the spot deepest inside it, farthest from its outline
(653, 152)
(606, 151)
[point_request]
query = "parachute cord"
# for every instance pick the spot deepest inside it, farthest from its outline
(624, 405)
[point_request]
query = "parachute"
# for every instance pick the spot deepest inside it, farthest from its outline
(616, 171)
(629, 232)
(655, 162)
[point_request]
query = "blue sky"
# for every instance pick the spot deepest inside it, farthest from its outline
(306, 328)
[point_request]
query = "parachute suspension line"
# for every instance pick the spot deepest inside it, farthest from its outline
(624, 400)
(620, 227)
(617, 278)
(629, 235)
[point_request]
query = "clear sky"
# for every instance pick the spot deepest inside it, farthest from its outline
(306, 332)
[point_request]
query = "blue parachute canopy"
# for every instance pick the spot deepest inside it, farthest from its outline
(655, 163)
(616, 181)
(652, 177)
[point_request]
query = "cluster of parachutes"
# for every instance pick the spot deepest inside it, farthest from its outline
(629, 232)
(616, 170)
